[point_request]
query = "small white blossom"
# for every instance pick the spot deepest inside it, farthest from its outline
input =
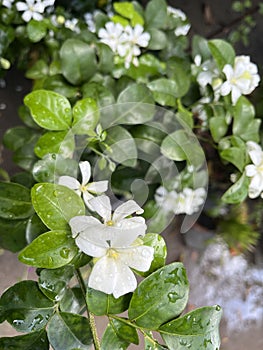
(241, 79)
(115, 244)
(89, 19)
(72, 24)
(33, 9)
(8, 3)
(255, 170)
(111, 35)
(88, 190)
(186, 202)
(184, 28)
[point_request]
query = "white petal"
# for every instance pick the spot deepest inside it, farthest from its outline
(21, 6)
(82, 223)
(225, 88)
(87, 197)
(103, 275)
(27, 15)
(69, 182)
(250, 170)
(139, 258)
(255, 186)
(98, 187)
(236, 93)
(126, 209)
(256, 156)
(127, 230)
(85, 172)
(37, 16)
(125, 280)
(228, 70)
(253, 146)
(102, 206)
(90, 248)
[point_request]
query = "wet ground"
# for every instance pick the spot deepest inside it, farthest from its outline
(216, 277)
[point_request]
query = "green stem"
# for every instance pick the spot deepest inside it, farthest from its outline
(90, 317)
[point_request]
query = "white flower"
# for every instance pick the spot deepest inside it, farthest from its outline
(176, 13)
(111, 36)
(207, 72)
(89, 19)
(186, 202)
(33, 9)
(115, 244)
(241, 79)
(182, 30)
(8, 3)
(85, 188)
(179, 14)
(72, 24)
(255, 170)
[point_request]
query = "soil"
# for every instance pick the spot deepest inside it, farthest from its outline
(242, 324)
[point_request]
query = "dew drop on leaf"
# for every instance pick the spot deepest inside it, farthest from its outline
(64, 253)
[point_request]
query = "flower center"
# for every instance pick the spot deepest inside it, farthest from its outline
(113, 254)
(83, 188)
(110, 223)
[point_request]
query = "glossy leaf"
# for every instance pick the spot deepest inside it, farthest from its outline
(53, 283)
(222, 52)
(16, 137)
(78, 61)
(58, 83)
(125, 331)
(68, 331)
(33, 341)
(106, 58)
(148, 138)
(56, 205)
(122, 146)
(85, 116)
(237, 192)
(160, 297)
(72, 301)
(160, 252)
(15, 201)
(156, 14)
(100, 303)
(199, 329)
(50, 250)
(236, 156)
(164, 91)
(12, 234)
(52, 166)
(39, 70)
(101, 94)
(110, 340)
(157, 41)
(25, 156)
(49, 110)
(25, 307)
(179, 70)
(218, 127)
(34, 228)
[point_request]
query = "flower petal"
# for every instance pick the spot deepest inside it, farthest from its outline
(87, 197)
(85, 172)
(126, 209)
(250, 170)
(69, 182)
(103, 275)
(98, 187)
(125, 280)
(102, 206)
(126, 231)
(21, 6)
(256, 156)
(139, 258)
(87, 247)
(83, 223)
(27, 15)
(255, 186)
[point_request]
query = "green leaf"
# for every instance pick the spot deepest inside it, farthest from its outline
(237, 192)
(12, 234)
(199, 329)
(160, 252)
(60, 142)
(244, 124)
(38, 71)
(72, 301)
(236, 156)
(200, 47)
(218, 127)
(185, 117)
(125, 331)
(78, 61)
(179, 71)
(50, 250)
(85, 116)
(111, 340)
(25, 307)
(68, 331)
(33, 341)
(58, 83)
(99, 93)
(15, 201)
(16, 137)
(36, 30)
(24, 156)
(164, 91)
(34, 228)
(101, 304)
(106, 58)
(56, 205)
(160, 297)
(49, 110)
(148, 137)
(52, 166)
(183, 145)
(122, 146)
(222, 52)
(53, 283)
(149, 66)
(156, 14)
(158, 40)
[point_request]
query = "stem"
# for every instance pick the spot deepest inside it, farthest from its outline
(90, 317)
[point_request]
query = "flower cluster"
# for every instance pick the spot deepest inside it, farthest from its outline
(125, 41)
(187, 202)
(115, 244)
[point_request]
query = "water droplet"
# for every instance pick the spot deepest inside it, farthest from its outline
(55, 193)
(64, 253)
(68, 199)
(54, 156)
(50, 260)
(36, 321)
(146, 253)
(173, 297)
(218, 308)
(183, 342)
(2, 106)
(18, 322)
(98, 279)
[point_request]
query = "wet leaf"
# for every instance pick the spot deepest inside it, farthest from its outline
(33, 341)
(56, 205)
(110, 340)
(218, 127)
(160, 297)
(12, 234)
(50, 250)
(36, 30)
(16, 137)
(199, 329)
(68, 331)
(222, 52)
(155, 14)
(237, 192)
(15, 201)
(85, 116)
(125, 331)
(25, 307)
(100, 303)
(34, 228)
(164, 91)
